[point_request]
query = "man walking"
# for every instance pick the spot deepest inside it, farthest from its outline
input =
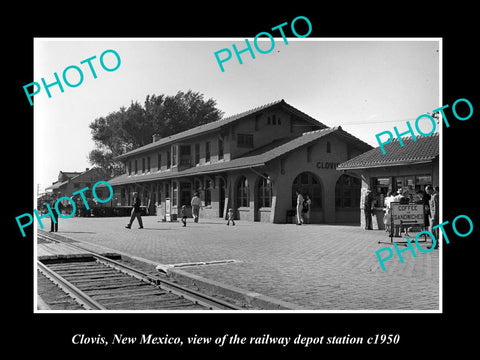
(135, 212)
(196, 202)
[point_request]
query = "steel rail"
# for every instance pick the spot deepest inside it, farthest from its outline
(83, 299)
(189, 294)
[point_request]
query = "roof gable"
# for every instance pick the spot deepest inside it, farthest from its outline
(215, 125)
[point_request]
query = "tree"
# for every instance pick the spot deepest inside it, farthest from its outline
(128, 129)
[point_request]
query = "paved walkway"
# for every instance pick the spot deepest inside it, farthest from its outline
(321, 267)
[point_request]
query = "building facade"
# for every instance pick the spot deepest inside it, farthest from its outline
(410, 167)
(70, 182)
(252, 162)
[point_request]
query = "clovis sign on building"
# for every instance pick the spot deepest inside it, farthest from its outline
(327, 165)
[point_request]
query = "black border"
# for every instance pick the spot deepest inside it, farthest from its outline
(424, 333)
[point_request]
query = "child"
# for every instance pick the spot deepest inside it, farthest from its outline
(183, 215)
(230, 217)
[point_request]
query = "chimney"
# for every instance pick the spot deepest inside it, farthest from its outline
(156, 137)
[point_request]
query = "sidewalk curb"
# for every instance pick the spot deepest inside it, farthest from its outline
(251, 298)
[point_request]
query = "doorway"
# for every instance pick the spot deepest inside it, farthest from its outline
(186, 196)
(221, 202)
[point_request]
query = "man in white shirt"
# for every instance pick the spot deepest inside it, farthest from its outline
(299, 208)
(196, 203)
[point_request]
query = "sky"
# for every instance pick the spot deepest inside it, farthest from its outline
(364, 85)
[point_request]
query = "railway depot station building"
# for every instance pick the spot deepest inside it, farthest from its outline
(252, 162)
(410, 167)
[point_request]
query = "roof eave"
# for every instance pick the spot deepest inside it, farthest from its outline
(166, 143)
(173, 175)
(397, 163)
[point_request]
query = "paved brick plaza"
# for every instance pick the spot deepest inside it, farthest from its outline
(321, 267)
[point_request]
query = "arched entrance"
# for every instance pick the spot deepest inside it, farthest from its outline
(309, 184)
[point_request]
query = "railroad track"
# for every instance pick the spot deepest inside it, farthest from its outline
(100, 283)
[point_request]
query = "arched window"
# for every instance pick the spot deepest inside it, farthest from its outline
(308, 184)
(347, 192)
(242, 192)
(264, 192)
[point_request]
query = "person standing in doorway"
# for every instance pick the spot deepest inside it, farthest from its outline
(196, 203)
(434, 206)
(136, 212)
(426, 208)
(299, 207)
(367, 209)
(307, 204)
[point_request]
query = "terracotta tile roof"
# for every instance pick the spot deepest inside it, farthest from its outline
(243, 162)
(424, 149)
(217, 124)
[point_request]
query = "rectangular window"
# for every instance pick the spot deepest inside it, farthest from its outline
(197, 154)
(136, 166)
(185, 157)
(169, 160)
(207, 151)
(245, 140)
(174, 155)
(159, 162)
(143, 165)
(220, 149)
(129, 168)
(349, 151)
(148, 163)
(257, 119)
(309, 153)
(423, 180)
